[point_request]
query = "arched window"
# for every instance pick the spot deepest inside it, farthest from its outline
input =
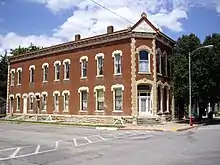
(144, 64)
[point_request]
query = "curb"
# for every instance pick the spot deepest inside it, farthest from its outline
(107, 128)
(144, 129)
(187, 128)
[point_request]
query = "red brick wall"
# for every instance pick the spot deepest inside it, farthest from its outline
(75, 82)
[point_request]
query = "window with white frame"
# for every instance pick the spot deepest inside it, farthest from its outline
(11, 103)
(31, 69)
(117, 96)
(84, 100)
(117, 61)
(99, 62)
(56, 101)
(84, 68)
(45, 68)
(44, 101)
(159, 57)
(144, 61)
(66, 70)
(165, 63)
(31, 102)
(100, 99)
(57, 70)
(18, 97)
(66, 101)
(19, 71)
(12, 77)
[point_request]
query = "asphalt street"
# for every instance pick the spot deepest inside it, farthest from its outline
(36, 144)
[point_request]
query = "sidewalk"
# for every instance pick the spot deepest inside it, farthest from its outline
(169, 127)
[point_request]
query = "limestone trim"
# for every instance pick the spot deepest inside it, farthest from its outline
(99, 55)
(83, 88)
(8, 111)
(31, 94)
(44, 93)
(117, 86)
(154, 86)
(12, 71)
(37, 94)
(159, 83)
(18, 95)
(19, 69)
(56, 92)
(167, 85)
(25, 95)
(144, 81)
(57, 62)
(32, 67)
(83, 58)
(133, 79)
(66, 92)
(99, 87)
(144, 47)
(45, 64)
(116, 52)
(66, 61)
(11, 96)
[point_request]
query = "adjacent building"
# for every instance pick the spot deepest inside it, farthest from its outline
(120, 73)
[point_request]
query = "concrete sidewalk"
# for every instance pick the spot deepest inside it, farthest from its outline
(170, 127)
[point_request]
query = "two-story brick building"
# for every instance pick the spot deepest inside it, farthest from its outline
(120, 73)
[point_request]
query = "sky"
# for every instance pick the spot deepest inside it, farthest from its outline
(50, 22)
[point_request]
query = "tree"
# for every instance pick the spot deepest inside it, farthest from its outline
(3, 75)
(22, 50)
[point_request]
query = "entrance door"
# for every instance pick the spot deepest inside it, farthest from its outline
(25, 105)
(145, 106)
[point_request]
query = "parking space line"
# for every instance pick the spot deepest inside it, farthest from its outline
(87, 139)
(75, 143)
(101, 137)
(37, 149)
(15, 152)
(8, 149)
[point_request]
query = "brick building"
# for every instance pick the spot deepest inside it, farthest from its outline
(120, 73)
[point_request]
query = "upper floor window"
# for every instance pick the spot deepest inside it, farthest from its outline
(57, 70)
(159, 57)
(12, 77)
(19, 71)
(165, 63)
(117, 61)
(84, 64)
(45, 68)
(66, 64)
(144, 62)
(100, 69)
(31, 69)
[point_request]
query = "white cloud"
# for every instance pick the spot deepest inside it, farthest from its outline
(89, 19)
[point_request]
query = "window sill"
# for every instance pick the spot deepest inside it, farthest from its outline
(99, 111)
(66, 79)
(117, 111)
(18, 84)
(44, 81)
(57, 80)
(144, 72)
(44, 110)
(83, 110)
(11, 85)
(83, 78)
(31, 83)
(99, 76)
(30, 110)
(117, 74)
(65, 111)
(159, 74)
(18, 110)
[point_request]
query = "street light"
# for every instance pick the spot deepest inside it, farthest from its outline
(190, 86)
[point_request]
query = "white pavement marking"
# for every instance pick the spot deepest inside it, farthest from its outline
(88, 140)
(75, 143)
(15, 152)
(57, 144)
(37, 149)
(101, 137)
(8, 149)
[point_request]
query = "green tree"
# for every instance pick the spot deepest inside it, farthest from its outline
(22, 50)
(3, 75)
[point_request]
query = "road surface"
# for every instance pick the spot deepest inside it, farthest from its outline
(35, 144)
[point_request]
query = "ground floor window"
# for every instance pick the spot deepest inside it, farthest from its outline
(44, 102)
(18, 103)
(84, 100)
(31, 102)
(66, 102)
(100, 99)
(56, 102)
(11, 104)
(118, 99)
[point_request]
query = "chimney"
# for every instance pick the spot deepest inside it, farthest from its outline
(77, 37)
(110, 29)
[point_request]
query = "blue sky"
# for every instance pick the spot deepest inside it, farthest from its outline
(48, 22)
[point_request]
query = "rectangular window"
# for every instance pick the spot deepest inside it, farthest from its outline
(19, 77)
(118, 98)
(66, 102)
(31, 102)
(45, 73)
(99, 66)
(56, 102)
(18, 103)
(84, 68)
(11, 104)
(44, 102)
(66, 70)
(143, 62)
(117, 61)
(100, 99)
(12, 78)
(32, 75)
(57, 72)
(84, 100)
